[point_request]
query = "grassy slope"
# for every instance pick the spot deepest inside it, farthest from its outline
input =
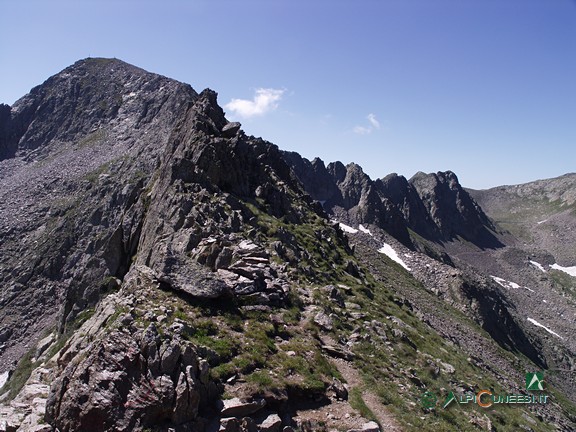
(400, 357)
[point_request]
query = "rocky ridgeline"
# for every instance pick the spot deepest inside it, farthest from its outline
(77, 153)
(171, 207)
(117, 372)
(131, 366)
(435, 206)
(433, 214)
(189, 277)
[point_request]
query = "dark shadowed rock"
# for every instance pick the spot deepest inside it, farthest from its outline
(453, 211)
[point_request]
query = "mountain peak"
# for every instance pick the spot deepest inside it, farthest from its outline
(99, 63)
(89, 95)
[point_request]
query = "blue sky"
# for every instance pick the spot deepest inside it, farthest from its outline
(485, 88)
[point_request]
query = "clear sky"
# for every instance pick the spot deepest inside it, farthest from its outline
(485, 88)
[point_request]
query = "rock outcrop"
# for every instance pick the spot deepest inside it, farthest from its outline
(452, 210)
(434, 206)
(78, 153)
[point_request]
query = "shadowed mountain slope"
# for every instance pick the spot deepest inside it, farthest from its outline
(434, 206)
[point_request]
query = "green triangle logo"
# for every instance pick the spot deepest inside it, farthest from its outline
(449, 399)
(428, 400)
(535, 381)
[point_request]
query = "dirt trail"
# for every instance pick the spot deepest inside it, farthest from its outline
(353, 379)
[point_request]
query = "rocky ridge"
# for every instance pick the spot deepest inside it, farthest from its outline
(196, 284)
(103, 123)
(435, 206)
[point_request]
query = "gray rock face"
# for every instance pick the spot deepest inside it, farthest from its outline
(127, 379)
(117, 374)
(104, 164)
(348, 194)
(76, 154)
(433, 205)
(156, 196)
(453, 211)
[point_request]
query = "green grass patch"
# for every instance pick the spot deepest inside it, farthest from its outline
(21, 374)
(563, 281)
(357, 402)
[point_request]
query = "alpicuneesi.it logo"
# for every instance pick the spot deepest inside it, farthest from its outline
(535, 381)
(487, 398)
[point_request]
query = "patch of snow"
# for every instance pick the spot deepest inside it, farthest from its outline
(538, 265)
(507, 284)
(3, 378)
(391, 253)
(347, 228)
(365, 230)
(503, 282)
(541, 222)
(537, 324)
(570, 270)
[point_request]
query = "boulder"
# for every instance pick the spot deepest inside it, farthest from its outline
(323, 321)
(230, 129)
(236, 408)
(338, 352)
(370, 426)
(272, 423)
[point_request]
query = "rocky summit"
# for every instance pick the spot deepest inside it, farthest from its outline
(163, 271)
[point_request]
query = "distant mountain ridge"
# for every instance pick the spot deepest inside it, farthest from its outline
(435, 206)
(540, 212)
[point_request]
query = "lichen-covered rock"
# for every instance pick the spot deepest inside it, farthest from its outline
(127, 379)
